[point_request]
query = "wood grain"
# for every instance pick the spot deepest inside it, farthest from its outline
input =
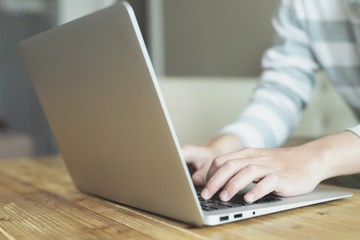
(39, 201)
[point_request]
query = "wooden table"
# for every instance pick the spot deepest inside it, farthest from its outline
(38, 201)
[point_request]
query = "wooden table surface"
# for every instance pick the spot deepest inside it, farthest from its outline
(39, 201)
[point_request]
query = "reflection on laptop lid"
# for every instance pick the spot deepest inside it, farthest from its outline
(97, 87)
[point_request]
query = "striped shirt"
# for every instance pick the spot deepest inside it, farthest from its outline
(312, 35)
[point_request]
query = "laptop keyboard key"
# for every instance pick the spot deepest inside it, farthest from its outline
(215, 203)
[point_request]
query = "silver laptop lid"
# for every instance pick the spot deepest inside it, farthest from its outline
(98, 90)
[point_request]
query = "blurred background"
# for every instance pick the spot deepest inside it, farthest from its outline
(208, 50)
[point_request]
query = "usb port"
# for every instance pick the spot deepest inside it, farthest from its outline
(224, 218)
(238, 215)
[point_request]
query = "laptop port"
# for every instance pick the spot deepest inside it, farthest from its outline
(238, 215)
(224, 218)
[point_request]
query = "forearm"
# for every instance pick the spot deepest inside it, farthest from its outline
(337, 154)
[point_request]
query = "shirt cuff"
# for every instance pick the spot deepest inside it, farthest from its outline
(355, 130)
(247, 134)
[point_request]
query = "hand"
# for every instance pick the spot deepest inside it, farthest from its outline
(199, 158)
(286, 172)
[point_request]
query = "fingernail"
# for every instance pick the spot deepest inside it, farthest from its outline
(205, 193)
(249, 197)
(224, 195)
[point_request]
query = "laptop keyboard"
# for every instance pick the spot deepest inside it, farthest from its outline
(237, 201)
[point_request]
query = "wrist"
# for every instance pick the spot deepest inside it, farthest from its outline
(224, 144)
(335, 155)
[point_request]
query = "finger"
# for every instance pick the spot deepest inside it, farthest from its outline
(242, 179)
(221, 177)
(216, 165)
(243, 154)
(264, 187)
(199, 177)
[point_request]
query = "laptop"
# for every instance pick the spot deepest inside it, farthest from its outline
(97, 87)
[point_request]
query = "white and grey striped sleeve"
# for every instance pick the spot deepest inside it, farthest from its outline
(355, 130)
(284, 89)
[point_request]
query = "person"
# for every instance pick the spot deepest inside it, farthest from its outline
(312, 35)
